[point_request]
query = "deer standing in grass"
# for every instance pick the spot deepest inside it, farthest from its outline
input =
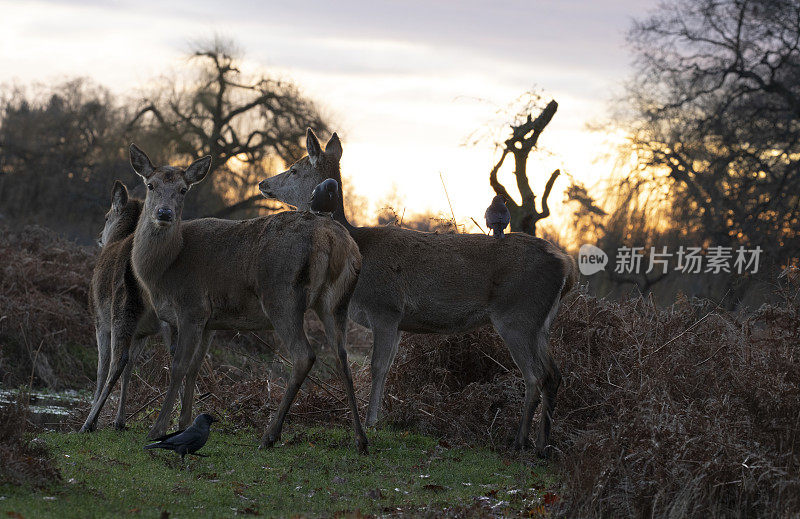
(123, 319)
(212, 274)
(446, 283)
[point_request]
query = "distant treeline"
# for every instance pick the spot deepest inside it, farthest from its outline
(62, 146)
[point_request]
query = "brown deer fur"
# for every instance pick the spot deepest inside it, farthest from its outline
(212, 274)
(446, 283)
(122, 317)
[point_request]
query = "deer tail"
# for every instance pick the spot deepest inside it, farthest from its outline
(570, 274)
(334, 265)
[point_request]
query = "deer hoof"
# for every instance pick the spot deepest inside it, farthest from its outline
(519, 446)
(156, 433)
(120, 426)
(543, 452)
(269, 441)
(371, 419)
(361, 446)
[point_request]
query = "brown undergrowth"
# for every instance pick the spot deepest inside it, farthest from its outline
(22, 460)
(45, 327)
(683, 411)
(686, 411)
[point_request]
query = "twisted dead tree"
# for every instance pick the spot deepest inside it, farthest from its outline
(524, 137)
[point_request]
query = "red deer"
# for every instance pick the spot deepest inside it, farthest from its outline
(211, 274)
(446, 283)
(123, 320)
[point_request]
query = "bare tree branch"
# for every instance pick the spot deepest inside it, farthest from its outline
(523, 140)
(715, 103)
(228, 115)
(495, 183)
(547, 188)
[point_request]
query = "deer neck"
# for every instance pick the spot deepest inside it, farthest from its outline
(127, 222)
(155, 249)
(339, 214)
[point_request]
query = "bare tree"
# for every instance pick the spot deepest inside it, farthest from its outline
(714, 115)
(239, 120)
(525, 132)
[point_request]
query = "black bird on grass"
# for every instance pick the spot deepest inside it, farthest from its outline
(497, 216)
(325, 196)
(188, 441)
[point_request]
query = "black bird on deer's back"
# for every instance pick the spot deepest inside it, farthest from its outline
(324, 196)
(188, 441)
(497, 216)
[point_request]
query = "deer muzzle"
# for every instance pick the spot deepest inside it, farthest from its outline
(165, 215)
(264, 188)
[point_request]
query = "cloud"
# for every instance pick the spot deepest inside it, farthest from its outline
(406, 80)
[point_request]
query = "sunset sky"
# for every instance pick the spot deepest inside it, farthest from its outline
(406, 82)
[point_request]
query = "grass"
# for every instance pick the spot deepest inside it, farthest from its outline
(316, 471)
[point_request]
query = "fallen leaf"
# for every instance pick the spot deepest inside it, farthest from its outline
(549, 498)
(538, 511)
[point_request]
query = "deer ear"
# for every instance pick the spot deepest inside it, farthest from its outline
(197, 170)
(334, 147)
(313, 147)
(119, 195)
(141, 162)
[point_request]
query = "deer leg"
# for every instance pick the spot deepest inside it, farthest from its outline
(169, 336)
(136, 347)
(551, 381)
(289, 326)
(120, 346)
(526, 357)
(386, 337)
(549, 390)
(189, 335)
(336, 331)
(103, 335)
(187, 399)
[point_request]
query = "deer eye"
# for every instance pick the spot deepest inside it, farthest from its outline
(150, 187)
(183, 190)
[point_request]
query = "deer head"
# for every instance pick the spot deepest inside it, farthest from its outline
(166, 186)
(294, 186)
(119, 199)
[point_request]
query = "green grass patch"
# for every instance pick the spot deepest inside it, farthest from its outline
(315, 471)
